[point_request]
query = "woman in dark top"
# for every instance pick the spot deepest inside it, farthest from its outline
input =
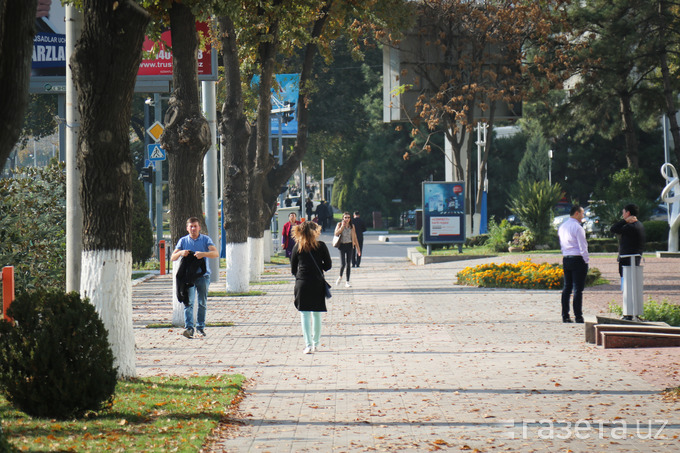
(310, 256)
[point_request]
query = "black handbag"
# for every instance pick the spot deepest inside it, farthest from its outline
(325, 283)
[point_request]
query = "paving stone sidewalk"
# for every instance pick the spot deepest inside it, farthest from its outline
(410, 362)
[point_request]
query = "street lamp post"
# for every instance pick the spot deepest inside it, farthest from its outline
(550, 156)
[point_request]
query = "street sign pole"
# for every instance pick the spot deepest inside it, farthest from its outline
(159, 177)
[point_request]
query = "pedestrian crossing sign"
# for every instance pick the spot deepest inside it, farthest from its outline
(156, 152)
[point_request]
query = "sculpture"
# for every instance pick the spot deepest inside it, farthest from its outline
(670, 174)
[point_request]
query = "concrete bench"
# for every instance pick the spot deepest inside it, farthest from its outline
(592, 321)
(611, 340)
(599, 328)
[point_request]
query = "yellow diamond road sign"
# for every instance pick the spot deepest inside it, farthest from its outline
(156, 130)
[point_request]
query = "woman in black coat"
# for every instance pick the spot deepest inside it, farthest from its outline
(310, 256)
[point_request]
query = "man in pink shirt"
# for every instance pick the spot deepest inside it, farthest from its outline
(574, 262)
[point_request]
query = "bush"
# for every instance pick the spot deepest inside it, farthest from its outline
(534, 203)
(655, 312)
(476, 241)
(656, 230)
(55, 360)
(32, 226)
(5, 446)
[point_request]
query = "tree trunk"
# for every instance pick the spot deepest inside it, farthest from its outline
(16, 44)
(105, 64)
(186, 138)
(259, 210)
(629, 132)
(235, 132)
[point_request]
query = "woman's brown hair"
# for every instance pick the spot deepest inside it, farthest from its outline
(305, 235)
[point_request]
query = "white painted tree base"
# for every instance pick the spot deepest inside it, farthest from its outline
(106, 279)
(256, 246)
(268, 246)
(238, 267)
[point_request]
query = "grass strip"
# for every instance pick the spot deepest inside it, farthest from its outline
(234, 294)
(167, 325)
(155, 414)
(272, 282)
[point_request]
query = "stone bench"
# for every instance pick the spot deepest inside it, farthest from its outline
(592, 321)
(614, 339)
(599, 328)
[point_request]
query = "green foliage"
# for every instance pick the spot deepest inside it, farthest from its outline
(655, 312)
(534, 164)
(5, 446)
(533, 203)
(498, 234)
(142, 234)
(476, 241)
(656, 230)
(623, 187)
(32, 232)
(55, 359)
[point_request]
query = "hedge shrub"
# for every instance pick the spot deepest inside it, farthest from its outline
(55, 360)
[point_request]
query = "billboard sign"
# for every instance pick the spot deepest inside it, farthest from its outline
(49, 53)
(284, 97)
(443, 212)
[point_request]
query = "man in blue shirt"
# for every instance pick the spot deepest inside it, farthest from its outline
(202, 247)
(574, 262)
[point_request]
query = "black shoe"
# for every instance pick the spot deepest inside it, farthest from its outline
(201, 332)
(579, 319)
(189, 333)
(567, 319)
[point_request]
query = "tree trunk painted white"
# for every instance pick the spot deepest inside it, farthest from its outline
(106, 280)
(177, 306)
(268, 246)
(238, 267)
(256, 246)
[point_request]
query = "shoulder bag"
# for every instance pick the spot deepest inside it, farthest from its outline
(325, 283)
(336, 241)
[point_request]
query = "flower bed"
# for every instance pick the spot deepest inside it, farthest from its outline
(523, 275)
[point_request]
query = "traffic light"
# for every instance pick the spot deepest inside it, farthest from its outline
(146, 174)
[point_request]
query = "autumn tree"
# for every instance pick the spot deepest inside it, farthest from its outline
(105, 64)
(477, 59)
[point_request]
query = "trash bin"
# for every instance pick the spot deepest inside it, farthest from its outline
(632, 287)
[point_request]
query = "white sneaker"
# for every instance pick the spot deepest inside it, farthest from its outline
(313, 349)
(307, 350)
(337, 282)
(347, 285)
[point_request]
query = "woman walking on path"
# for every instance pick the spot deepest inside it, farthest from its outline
(348, 239)
(287, 239)
(310, 256)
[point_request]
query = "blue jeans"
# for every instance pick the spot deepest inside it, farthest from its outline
(575, 272)
(311, 327)
(201, 287)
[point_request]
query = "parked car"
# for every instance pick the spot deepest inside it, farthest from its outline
(660, 212)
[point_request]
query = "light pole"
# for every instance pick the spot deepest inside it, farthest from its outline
(550, 156)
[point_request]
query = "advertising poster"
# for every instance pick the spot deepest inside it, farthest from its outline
(443, 212)
(283, 95)
(49, 50)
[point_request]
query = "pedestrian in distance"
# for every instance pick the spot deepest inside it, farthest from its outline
(310, 258)
(631, 234)
(360, 228)
(287, 239)
(574, 262)
(322, 213)
(346, 231)
(200, 247)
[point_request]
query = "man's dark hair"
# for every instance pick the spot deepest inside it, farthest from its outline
(356, 213)
(632, 208)
(574, 209)
(193, 220)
